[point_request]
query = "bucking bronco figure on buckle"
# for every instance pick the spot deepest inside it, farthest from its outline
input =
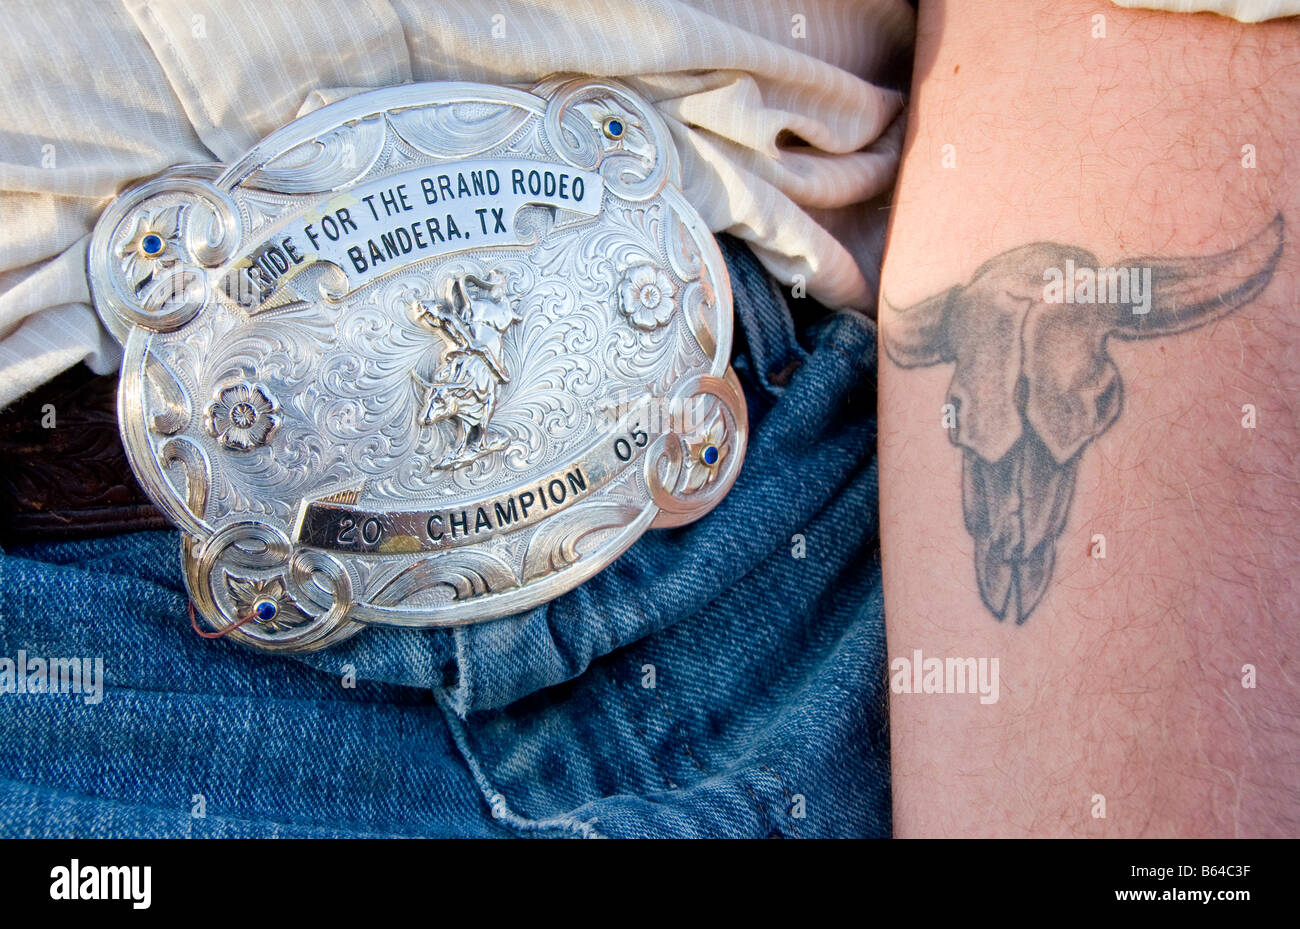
(472, 316)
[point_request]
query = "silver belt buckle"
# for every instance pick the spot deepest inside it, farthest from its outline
(430, 355)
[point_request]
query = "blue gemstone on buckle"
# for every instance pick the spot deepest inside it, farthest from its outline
(614, 128)
(710, 455)
(265, 610)
(151, 245)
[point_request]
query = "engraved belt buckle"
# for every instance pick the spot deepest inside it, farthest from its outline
(430, 355)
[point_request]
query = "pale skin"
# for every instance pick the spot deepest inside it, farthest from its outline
(1124, 706)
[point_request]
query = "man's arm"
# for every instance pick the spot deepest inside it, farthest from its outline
(1090, 425)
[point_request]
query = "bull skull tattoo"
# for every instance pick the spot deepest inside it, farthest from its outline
(1034, 384)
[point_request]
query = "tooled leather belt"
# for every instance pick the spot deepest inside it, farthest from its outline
(63, 472)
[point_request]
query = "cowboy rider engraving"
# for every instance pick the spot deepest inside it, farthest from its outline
(472, 317)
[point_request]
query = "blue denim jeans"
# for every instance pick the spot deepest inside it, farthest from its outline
(723, 679)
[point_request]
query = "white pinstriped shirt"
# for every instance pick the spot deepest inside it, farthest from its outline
(782, 113)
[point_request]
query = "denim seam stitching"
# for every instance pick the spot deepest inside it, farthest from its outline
(789, 797)
(464, 690)
(496, 801)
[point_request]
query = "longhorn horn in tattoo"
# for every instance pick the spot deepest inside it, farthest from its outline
(1034, 383)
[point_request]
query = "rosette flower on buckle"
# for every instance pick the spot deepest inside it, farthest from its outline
(645, 296)
(243, 416)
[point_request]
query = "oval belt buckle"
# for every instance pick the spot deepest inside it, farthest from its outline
(430, 355)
